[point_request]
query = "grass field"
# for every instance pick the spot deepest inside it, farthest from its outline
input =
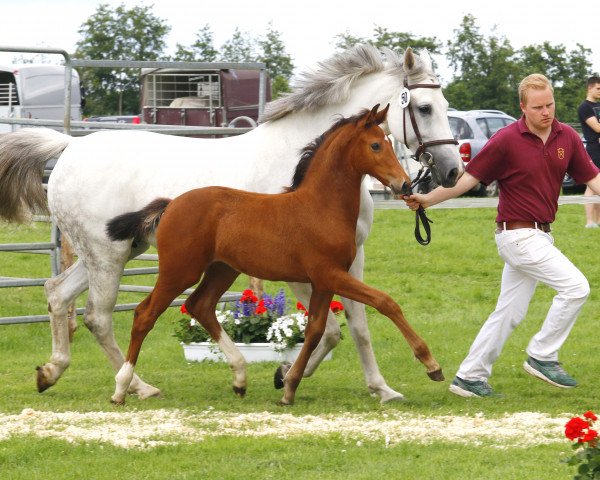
(446, 289)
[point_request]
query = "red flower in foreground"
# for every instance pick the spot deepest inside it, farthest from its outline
(248, 296)
(575, 427)
(590, 416)
(260, 308)
(590, 435)
(336, 307)
(300, 307)
(184, 310)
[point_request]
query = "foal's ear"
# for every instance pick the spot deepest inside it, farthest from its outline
(371, 118)
(382, 115)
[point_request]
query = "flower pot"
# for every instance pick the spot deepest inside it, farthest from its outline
(252, 352)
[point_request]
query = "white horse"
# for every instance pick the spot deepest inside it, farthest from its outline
(105, 174)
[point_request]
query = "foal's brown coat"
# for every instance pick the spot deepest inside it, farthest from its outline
(305, 235)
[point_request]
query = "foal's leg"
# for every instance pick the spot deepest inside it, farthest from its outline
(344, 284)
(61, 291)
(317, 317)
(145, 316)
(357, 323)
(202, 303)
(331, 335)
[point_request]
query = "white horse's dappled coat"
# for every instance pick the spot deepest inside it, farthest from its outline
(104, 174)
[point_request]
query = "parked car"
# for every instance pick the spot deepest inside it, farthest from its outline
(472, 129)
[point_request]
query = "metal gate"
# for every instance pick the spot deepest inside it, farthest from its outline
(56, 248)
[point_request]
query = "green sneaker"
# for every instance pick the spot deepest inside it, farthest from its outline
(465, 388)
(550, 372)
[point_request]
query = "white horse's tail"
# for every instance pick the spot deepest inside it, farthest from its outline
(137, 225)
(23, 155)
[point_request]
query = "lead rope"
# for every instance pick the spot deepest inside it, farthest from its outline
(420, 215)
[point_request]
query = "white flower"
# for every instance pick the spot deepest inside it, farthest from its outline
(193, 322)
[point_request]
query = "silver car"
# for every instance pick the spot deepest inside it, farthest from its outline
(472, 129)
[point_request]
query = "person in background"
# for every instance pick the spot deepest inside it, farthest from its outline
(529, 159)
(589, 116)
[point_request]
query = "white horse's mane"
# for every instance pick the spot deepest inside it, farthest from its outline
(332, 80)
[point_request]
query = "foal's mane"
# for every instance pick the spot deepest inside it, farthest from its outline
(331, 82)
(308, 153)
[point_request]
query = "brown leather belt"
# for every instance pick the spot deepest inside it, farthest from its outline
(544, 227)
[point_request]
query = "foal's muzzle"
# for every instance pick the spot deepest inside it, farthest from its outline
(400, 189)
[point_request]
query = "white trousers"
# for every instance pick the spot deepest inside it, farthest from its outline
(530, 257)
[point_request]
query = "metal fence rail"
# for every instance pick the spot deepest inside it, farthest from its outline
(54, 248)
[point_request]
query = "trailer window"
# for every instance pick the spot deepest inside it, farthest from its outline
(8, 89)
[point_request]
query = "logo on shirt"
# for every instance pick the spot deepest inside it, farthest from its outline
(561, 153)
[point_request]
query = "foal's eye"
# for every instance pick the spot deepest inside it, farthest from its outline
(425, 109)
(375, 147)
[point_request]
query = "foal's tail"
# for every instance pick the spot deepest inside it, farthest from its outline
(137, 225)
(23, 155)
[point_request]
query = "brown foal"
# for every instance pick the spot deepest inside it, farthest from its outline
(307, 235)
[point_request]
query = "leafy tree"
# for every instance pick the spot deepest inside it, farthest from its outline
(279, 63)
(382, 37)
(484, 73)
(201, 50)
(487, 71)
(118, 34)
(241, 47)
(566, 70)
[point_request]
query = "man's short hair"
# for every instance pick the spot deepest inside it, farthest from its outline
(535, 81)
(593, 80)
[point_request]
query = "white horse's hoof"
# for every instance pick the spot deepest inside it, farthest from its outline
(117, 399)
(387, 395)
(146, 391)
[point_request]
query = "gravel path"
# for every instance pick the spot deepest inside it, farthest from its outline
(147, 429)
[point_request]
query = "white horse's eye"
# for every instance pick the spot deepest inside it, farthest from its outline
(425, 109)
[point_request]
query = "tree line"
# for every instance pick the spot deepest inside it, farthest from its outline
(486, 68)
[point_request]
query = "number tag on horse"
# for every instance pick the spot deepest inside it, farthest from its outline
(404, 97)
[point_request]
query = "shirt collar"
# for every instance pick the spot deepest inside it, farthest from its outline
(523, 128)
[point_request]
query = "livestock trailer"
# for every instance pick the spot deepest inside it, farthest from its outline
(217, 98)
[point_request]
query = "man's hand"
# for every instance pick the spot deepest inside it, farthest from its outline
(415, 200)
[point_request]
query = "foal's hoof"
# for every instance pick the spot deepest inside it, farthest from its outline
(118, 401)
(280, 374)
(436, 375)
(239, 391)
(41, 380)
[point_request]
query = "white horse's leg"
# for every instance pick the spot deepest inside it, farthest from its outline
(61, 291)
(104, 286)
(357, 322)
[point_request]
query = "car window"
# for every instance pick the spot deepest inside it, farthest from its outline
(491, 125)
(460, 129)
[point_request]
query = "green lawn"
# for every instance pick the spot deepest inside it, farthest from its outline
(446, 290)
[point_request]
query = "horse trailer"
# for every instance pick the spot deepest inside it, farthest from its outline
(36, 91)
(218, 97)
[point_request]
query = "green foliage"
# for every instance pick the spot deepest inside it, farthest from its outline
(487, 71)
(118, 34)
(202, 50)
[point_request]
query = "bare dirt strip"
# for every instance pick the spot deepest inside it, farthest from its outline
(148, 429)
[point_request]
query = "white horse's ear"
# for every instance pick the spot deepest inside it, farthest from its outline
(409, 60)
(426, 59)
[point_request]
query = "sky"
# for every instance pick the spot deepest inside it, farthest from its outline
(308, 27)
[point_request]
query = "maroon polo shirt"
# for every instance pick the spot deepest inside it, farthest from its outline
(529, 172)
